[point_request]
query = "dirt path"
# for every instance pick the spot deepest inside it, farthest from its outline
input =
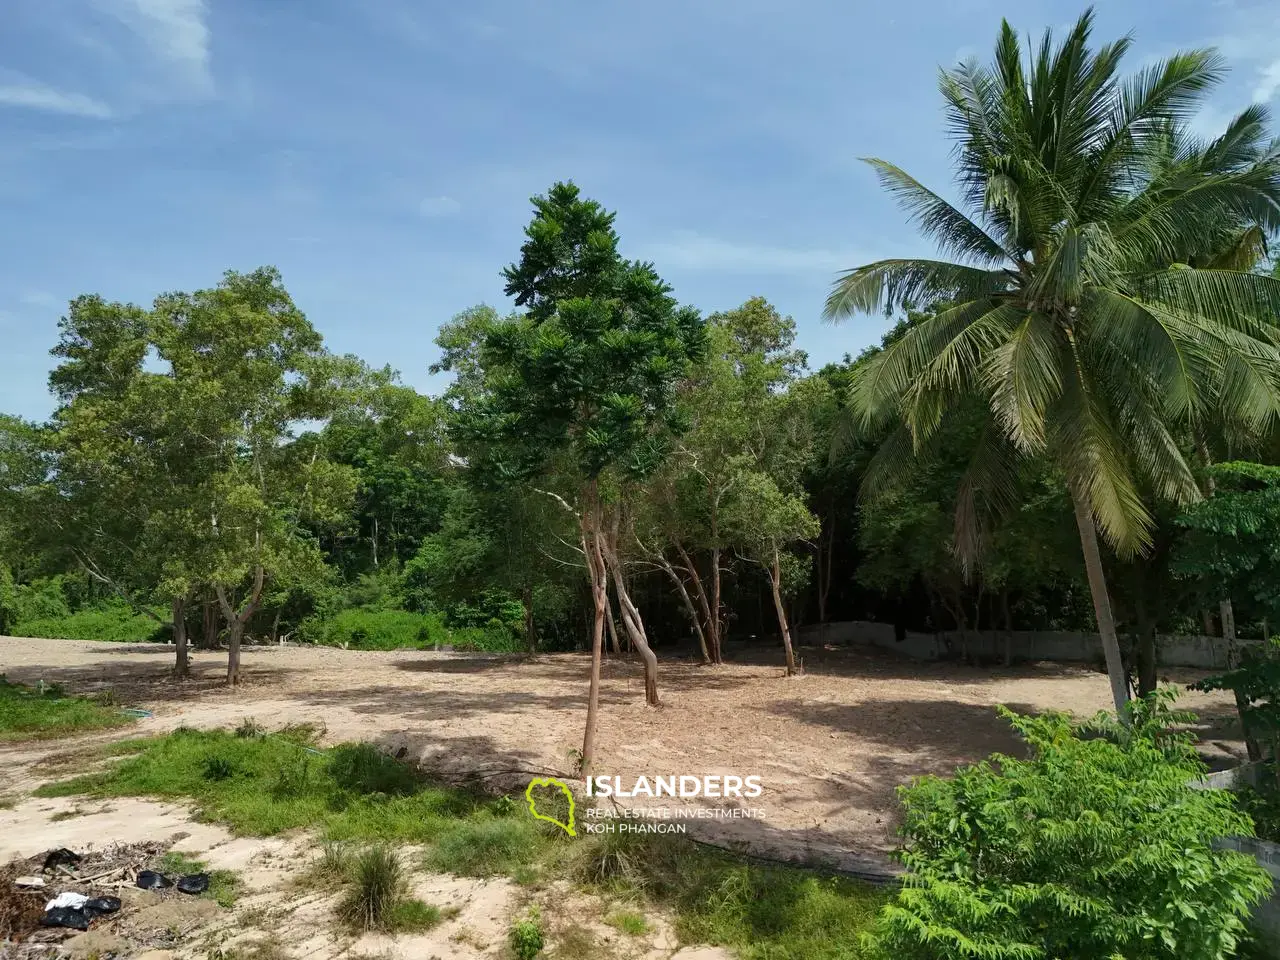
(829, 747)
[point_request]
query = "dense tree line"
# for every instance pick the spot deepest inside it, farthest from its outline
(1046, 437)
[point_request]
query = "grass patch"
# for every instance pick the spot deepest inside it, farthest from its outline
(356, 796)
(759, 912)
(630, 922)
(27, 713)
(526, 937)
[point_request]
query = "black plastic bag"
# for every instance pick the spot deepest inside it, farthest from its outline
(60, 857)
(68, 917)
(194, 883)
(150, 880)
(100, 906)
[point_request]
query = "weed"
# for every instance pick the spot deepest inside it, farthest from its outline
(66, 815)
(526, 936)
(249, 728)
(377, 887)
(268, 949)
(218, 768)
(631, 922)
(335, 860)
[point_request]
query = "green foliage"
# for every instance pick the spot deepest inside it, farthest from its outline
(630, 922)
(1092, 848)
(1231, 545)
(114, 622)
(526, 937)
(377, 886)
(26, 713)
(486, 847)
(365, 629)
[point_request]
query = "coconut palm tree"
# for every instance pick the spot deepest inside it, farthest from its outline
(1088, 303)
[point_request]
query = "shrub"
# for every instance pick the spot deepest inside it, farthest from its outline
(526, 936)
(1091, 849)
(114, 622)
(366, 629)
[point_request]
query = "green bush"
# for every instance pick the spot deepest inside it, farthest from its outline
(363, 628)
(1093, 848)
(30, 713)
(115, 622)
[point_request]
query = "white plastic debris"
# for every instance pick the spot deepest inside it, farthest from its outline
(69, 899)
(28, 883)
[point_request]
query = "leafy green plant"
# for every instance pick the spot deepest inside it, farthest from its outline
(1256, 685)
(1093, 848)
(526, 937)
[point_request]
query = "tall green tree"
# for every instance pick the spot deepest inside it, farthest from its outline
(582, 387)
(1079, 317)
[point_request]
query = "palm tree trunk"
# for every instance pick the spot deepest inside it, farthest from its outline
(1101, 601)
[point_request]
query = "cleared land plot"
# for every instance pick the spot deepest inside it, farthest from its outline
(830, 747)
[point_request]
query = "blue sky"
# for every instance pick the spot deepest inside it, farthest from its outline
(381, 153)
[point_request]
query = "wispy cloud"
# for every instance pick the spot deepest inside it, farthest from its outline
(1268, 82)
(35, 95)
(439, 207)
(688, 250)
(176, 31)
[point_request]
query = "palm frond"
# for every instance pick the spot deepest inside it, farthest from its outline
(953, 232)
(1024, 376)
(887, 284)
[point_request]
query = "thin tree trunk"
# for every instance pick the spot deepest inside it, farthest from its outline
(1146, 644)
(1101, 602)
(775, 581)
(182, 662)
(1008, 627)
(236, 621)
(614, 643)
(530, 634)
(670, 571)
(590, 523)
(275, 625)
(1227, 611)
(700, 594)
(716, 633)
(209, 624)
(631, 619)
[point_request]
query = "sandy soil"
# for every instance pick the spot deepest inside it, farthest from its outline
(829, 747)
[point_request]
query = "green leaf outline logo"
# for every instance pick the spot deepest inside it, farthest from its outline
(532, 801)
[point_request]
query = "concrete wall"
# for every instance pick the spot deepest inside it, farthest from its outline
(1209, 653)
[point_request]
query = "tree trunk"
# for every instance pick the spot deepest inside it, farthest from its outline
(688, 605)
(530, 635)
(275, 625)
(1227, 611)
(1008, 627)
(615, 644)
(700, 594)
(209, 624)
(182, 663)
(236, 620)
(631, 619)
(716, 631)
(590, 522)
(1101, 602)
(1146, 645)
(775, 581)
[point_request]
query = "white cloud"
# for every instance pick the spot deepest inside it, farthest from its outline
(38, 96)
(688, 250)
(439, 207)
(1268, 82)
(175, 31)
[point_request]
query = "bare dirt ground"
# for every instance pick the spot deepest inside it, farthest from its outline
(830, 746)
